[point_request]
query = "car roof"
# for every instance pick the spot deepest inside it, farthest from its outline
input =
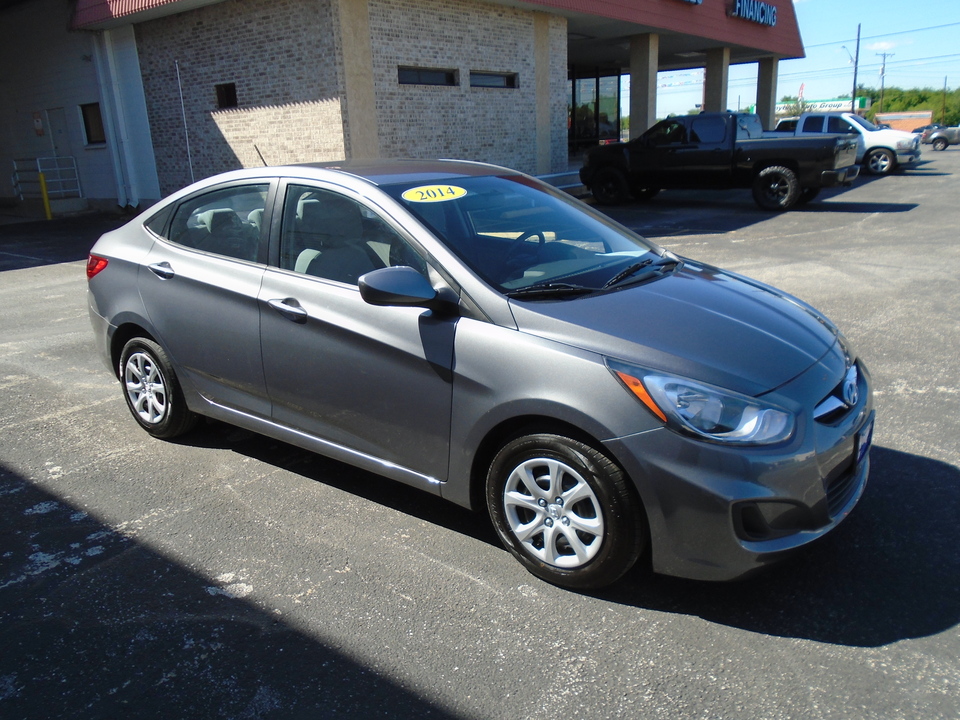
(390, 171)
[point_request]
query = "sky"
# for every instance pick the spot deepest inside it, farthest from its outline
(921, 40)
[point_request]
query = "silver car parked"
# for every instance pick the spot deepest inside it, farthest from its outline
(472, 332)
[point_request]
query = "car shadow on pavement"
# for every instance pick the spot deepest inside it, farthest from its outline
(832, 206)
(887, 573)
(97, 624)
(370, 486)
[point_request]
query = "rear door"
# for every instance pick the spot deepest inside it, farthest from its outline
(200, 286)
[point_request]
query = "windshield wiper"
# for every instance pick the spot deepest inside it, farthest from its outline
(657, 271)
(626, 272)
(550, 289)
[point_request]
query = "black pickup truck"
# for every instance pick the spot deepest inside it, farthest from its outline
(719, 151)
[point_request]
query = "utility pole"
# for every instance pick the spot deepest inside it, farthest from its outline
(856, 64)
(943, 108)
(883, 72)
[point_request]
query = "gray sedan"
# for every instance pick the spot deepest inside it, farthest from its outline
(472, 332)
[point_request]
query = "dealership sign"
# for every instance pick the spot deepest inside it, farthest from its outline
(754, 11)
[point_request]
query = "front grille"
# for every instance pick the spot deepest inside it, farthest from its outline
(841, 485)
(835, 405)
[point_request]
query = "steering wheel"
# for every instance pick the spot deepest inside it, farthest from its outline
(512, 256)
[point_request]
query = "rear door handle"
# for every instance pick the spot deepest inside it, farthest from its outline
(162, 270)
(289, 308)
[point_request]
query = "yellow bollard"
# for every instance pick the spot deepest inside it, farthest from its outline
(45, 196)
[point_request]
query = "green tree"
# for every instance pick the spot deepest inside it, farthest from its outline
(944, 104)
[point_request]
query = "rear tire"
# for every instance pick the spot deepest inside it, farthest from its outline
(776, 188)
(152, 391)
(565, 511)
(940, 144)
(610, 187)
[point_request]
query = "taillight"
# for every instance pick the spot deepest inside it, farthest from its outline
(95, 264)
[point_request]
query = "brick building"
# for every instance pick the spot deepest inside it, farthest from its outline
(146, 95)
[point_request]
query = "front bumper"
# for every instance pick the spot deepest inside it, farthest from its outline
(908, 157)
(708, 505)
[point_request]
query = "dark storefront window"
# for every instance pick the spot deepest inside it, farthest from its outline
(594, 108)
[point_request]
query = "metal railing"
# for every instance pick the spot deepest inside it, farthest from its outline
(59, 173)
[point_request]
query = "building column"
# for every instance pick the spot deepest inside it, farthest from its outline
(124, 112)
(541, 59)
(644, 63)
(715, 80)
(767, 70)
(359, 95)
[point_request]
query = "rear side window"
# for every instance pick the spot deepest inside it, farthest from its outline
(709, 130)
(226, 222)
(749, 127)
(812, 124)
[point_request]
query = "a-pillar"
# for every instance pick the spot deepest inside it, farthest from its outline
(767, 91)
(644, 63)
(715, 79)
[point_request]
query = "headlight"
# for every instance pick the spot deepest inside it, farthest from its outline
(705, 411)
(905, 144)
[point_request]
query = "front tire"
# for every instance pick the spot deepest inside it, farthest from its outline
(880, 162)
(565, 511)
(610, 187)
(152, 391)
(776, 188)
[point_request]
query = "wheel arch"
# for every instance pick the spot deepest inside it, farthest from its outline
(514, 427)
(121, 336)
(789, 163)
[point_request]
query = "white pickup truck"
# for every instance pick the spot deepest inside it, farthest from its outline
(881, 151)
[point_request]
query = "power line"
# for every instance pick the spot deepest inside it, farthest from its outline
(875, 37)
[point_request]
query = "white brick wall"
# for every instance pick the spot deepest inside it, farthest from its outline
(285, 59)
(282, 57)
(486, 124)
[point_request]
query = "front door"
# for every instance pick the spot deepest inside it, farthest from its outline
(374, 380)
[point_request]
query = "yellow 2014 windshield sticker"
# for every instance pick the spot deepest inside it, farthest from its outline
(433, 193)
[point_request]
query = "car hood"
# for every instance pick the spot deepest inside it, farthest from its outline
(699, 322)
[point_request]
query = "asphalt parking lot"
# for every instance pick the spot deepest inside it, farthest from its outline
(228, 575)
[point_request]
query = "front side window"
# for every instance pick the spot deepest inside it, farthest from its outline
(328, 235)
(667, 132)
(839, 125)
(226, 222)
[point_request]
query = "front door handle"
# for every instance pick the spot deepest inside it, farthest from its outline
(162, 270)
(289, 308)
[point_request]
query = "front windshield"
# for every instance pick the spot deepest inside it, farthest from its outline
(864, 123)
(517, 234)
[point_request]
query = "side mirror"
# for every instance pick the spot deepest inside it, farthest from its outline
(397, 286)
